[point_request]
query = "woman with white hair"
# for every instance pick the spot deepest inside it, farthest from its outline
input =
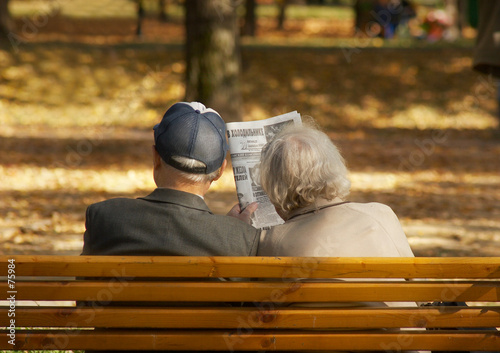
(306, 179)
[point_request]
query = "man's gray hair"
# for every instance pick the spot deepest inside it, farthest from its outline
(300, 165)
(193, 163)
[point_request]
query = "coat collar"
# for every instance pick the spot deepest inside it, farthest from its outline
(314, 207)
(177, 197)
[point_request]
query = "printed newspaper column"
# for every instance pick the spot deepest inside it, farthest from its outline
(246, 140)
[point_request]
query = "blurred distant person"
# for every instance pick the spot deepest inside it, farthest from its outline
(435, 25)
(487, 48)
(408, 12)
(390, 15)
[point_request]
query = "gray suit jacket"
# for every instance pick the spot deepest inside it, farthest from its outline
(166, 222)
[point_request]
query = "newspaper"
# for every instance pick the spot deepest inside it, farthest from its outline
(246, 140)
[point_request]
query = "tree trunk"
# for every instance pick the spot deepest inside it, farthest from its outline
(451, 8)
(363, 17)
(212, 56)
(282, 12)
(163, 16)
(6, 22)
(250, 20)
(140, 17)
(463, 18)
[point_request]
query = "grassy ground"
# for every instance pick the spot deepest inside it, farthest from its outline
(79, 98)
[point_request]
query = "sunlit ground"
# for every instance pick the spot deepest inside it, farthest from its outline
(416, 126)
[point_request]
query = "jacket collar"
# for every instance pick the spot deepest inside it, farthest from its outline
(314, 207)
(177, 197)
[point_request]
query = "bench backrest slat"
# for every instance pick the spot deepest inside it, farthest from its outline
(282, 341)
(233, 318)
(262, 267)
(282, 292)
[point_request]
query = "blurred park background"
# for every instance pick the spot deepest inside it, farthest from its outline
(82, 82)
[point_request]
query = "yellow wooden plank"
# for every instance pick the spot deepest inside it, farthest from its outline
(264, 267)
(255, 340)
(272, 292)
(286, 318)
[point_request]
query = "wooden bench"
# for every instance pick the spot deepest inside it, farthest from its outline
(266, 285)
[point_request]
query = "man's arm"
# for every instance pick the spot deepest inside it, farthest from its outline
(86, 236)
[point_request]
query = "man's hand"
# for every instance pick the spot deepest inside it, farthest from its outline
(244, 215)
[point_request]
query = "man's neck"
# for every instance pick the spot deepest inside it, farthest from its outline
(197, 189)
(170, 178)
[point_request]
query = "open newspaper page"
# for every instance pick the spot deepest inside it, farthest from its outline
(246, 140)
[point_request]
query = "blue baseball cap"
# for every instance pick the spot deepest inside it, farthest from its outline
(193, 131)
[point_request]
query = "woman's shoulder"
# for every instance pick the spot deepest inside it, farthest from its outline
(370, 207)
(380, 213)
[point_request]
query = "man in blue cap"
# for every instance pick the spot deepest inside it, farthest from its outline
(189, 154)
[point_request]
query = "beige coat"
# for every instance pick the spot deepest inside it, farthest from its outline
(349, 229)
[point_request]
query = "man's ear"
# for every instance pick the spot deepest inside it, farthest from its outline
(221, 170)
(156, 158)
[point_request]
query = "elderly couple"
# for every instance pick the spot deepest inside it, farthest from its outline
(301, 170)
